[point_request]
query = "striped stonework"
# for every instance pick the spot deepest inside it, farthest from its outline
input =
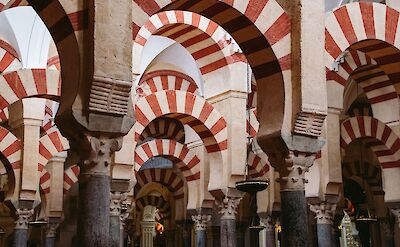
(54, 63)
(44, 180)
(189, 164)
(373, 23)
(252, 123)
(164, 128)
(9, 59)
(27, 83)
(70, 177)
(155, 201)
(49, 115)
(166, 177)
(50, 144)
(188, 108)
(205, 40)
(388, 143)
(258, 166)
(165, 80)
(8, 4)
(266, 23)
(11, 148)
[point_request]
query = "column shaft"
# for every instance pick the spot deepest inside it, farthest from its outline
(50, 241)
(294, 219)
(115, 231)
(20, 238)
(270, 238)
(228, 232)
(94, 203)
(324, 235)
(201, 238)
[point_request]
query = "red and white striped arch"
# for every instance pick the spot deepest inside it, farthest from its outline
(7, 4)
(70, 177)
(166, 177)
(54, 63)
(49, 114)
(190, 109)
(156, 201)
(388, 152)
(166, 80)
(27, 83)
(258, 166)
(50, 144)
(169, 148)
(203, 38)
(252, 123)
(44, 180)
(164, 128)
(11, 148)
(9, 59)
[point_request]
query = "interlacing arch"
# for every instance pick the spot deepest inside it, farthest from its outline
(205, 40)
(70, 177)
(373, 23)
(170, 149)
(156, 201)
(164, 128)
(9, 59)
(165, 80)
(387, 152)
(190, 109)
(166, 177)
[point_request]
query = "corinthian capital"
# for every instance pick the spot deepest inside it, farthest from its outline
(228, 207)
(201, 221)
(324, 212)
(23, 216)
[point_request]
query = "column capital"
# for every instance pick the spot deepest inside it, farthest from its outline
(268, 223)
(96, 154)
(116, 202)
(396, 214)
(51, 229)
(201, 221)
(23, 216)
(228, 207)
(324, 212)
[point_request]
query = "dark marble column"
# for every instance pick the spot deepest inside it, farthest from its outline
(21, 227)
(94, 191)
(269, 230)
(200, 226)
(51, 231)
(216, 236)
(324, 213)
(228, 210)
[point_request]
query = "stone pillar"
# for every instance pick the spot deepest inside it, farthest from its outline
(269, 231)
(215, 230)
(228, 211)
(185, 227)
(200, 227)
(21, 227)
(294, 216)
(387, 232)
(94, 191)
(115, 218)
(324, 213)
(396, 214)
(147, 233)
(51, 231)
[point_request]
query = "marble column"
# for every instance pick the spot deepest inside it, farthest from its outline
(51, 231)
(294, 216)
(148, 233)
(324, 213)
(94, 191)
(269, 230)
(115, 218)
(186, 231)
(21, 227)
(228, 210)
(215, 230)
(200, 227)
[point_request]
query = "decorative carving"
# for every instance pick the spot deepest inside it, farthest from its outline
(116, 202)
(23, 216)
(324, 212)
(396, 214)
(201, 221)
(97, 155)
(109, 95)
(228, 207)
(292, 174)
(51, 229)
(309, 123)
(268, 223)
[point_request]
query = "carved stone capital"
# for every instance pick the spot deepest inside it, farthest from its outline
(268, 223)
(292, 173)
(324, 212)
(228, 207)
(51, 229)
(201, 221)
(96, 154)
(116, 202)
(396, 214)
(23, 216)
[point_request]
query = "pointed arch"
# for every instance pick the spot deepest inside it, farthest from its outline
(388, 149)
